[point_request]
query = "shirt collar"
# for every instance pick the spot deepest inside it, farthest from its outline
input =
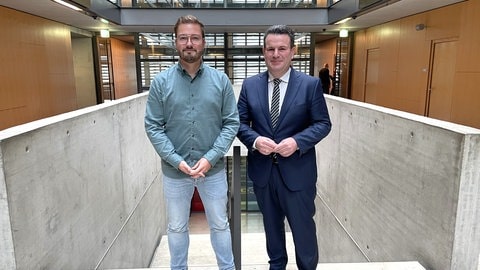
(285, 77)
(199, 71)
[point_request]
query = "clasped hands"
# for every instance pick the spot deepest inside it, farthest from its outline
(285, 148)
(198, 170)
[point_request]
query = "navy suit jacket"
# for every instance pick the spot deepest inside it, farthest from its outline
(303, 116)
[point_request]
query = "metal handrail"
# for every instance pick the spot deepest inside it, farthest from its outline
(235, 208)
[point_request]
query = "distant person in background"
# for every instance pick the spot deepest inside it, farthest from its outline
(325, 78)
(333, 88)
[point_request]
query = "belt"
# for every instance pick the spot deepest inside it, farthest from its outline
(274, 158)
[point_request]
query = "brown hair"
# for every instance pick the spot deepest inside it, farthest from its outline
(189, 19)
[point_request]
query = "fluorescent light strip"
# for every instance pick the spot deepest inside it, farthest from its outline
(68, 5)
(344, 20)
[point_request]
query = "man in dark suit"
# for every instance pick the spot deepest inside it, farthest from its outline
(325, 78)
(281, 157)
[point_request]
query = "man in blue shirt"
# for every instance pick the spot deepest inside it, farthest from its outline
(191, 120)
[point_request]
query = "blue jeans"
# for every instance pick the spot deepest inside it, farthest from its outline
(213, 192)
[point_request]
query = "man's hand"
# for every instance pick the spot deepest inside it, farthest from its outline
(286, 147)
(183, 166)
(265, 145)
(200, 168)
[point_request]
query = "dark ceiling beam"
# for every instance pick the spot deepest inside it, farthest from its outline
(228, 20)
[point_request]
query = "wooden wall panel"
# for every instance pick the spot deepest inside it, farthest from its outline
(124, 68)
(389, 37)
(466, 99)
(36, 68)
(372, 76)
(413, 59)
(358, 68)
(373, 37)
(11, 97)
(443, 22)
(469, 56)
(405, 60)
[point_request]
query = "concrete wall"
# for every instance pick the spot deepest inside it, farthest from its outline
(394, 186)
(80, 190)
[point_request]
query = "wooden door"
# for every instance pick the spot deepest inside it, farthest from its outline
(441, 84)
(371, 76)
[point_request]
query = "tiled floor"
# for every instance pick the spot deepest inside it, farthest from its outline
(201, 255)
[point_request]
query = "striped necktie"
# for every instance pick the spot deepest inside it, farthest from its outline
(275, 106)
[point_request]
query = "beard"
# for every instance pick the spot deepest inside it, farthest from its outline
(190, 56)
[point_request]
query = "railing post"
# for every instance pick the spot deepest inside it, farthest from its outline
(235, 217)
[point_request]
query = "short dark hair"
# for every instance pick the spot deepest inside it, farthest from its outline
(280, 29)
(189, 19)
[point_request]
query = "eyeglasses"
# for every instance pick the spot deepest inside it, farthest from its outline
(194, 39)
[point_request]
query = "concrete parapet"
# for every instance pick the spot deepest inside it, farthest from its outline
(80, 190)
(394, 186)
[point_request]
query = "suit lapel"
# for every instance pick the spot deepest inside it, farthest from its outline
(262, 91)
(292, 91)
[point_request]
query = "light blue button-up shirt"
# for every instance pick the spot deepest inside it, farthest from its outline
(187, 119)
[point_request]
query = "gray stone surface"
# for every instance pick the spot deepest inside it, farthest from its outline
(7, 256)
(83, 189)
(400, 186)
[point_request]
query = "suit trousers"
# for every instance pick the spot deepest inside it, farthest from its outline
(277, 202)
